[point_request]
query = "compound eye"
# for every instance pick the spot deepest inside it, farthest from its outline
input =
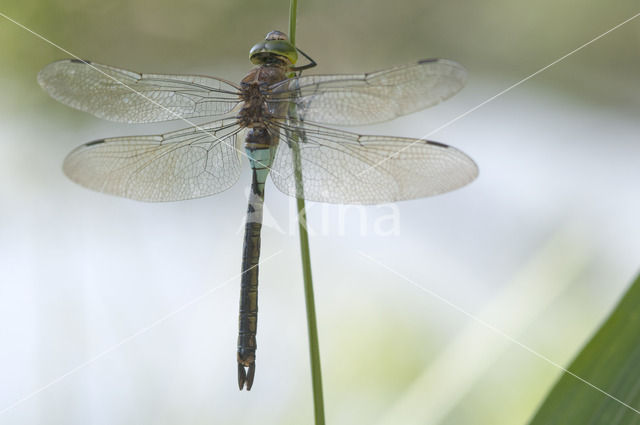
(276, 35)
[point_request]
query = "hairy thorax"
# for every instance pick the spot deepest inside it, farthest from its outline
(254, 87)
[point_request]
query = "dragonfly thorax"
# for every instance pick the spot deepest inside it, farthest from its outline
(255, 87)
(254, 110)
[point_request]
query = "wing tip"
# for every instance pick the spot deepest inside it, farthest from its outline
(49, 73)
(449, 62)
(474, 170)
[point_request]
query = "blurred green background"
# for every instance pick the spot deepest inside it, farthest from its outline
(129, 310)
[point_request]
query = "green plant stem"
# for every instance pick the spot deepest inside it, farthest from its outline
(312, 326)
(293, 11)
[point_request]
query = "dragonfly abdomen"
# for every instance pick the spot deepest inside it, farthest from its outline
(259, 148)
(248, 316)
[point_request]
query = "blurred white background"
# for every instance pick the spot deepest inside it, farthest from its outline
(119, 312)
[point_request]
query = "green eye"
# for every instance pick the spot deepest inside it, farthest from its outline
(260, 53)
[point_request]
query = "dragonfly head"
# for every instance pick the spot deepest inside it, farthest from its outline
(275, 47)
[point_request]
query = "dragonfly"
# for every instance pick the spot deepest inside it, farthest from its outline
(276, 118)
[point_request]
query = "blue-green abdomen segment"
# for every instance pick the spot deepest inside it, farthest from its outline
(260, 159)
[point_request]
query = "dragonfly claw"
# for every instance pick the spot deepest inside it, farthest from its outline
(245, 376)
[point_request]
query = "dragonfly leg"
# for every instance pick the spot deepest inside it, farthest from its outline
(311, 63)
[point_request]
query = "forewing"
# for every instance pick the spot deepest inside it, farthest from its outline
(374, 97)
(347, 168)
(120, 95)
(185, 164)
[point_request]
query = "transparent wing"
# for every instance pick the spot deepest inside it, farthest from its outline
(348, 168)
(120, 95)
(369, 98)
(185, 164)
